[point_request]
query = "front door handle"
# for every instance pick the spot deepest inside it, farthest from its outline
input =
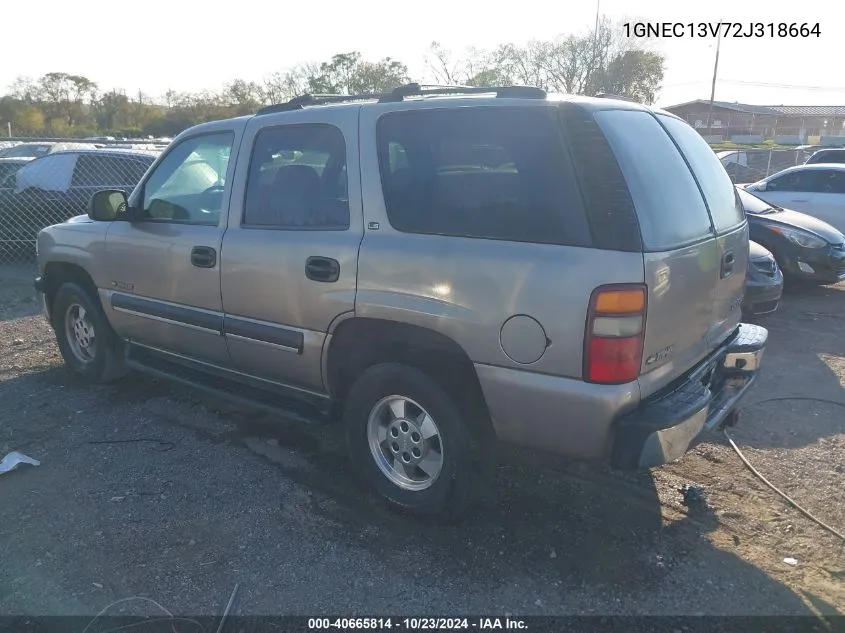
(323, 269)
(203, 257)
(727, 265)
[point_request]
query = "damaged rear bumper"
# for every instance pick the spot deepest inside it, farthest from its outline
(666, 426)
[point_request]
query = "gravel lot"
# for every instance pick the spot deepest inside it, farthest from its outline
(150, 489)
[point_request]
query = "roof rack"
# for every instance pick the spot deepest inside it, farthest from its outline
(607, 95)
(407, 90)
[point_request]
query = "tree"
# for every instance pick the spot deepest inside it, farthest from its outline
(601, 60)
(348, 73)
(634, 74)
(284, 86)
(30, 120)
(245, 96)
(64, 96)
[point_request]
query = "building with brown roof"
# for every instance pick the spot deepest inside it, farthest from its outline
(744, 123)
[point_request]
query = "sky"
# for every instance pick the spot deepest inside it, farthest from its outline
(156, 45)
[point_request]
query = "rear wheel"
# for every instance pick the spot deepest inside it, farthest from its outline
(406, 436)
(89, 346)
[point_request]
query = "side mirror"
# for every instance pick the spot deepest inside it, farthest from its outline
(108, 205)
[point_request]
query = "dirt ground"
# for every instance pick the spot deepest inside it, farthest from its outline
(149, 489)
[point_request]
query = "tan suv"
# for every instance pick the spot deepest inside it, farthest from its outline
(435, 266)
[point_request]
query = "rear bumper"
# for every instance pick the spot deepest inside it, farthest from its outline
(666, 426)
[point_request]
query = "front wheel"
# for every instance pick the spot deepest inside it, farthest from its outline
(407, 438)
(90, 348)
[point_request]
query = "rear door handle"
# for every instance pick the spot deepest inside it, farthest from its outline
(203, 257)
(323, 269)
(727, 265)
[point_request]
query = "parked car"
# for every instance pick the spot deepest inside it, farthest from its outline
(817, 190)
(763, 284)
(348, 255)
(828, 155)
(36, 150)
(805, 248)
(59, 186)
(9, 166)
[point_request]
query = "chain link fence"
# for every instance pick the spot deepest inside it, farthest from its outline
(751, 165)
(47, 181)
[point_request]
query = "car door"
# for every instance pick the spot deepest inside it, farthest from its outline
(829, 197)
(729, 222)
(164, 264)
(793, 190)
(290, 253)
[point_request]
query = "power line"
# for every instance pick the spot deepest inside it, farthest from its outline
(758, 84)
(763, 84)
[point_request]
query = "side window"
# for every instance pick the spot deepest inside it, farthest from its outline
(718, 189)
(187, 186)
(806, 181)
(831, 181)
(297, 179)
(669, 205)
(787, 182)
(97, 170)
(50, 173)
(490, 172)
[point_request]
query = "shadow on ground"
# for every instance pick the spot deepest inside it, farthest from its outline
(151, 489)
(803, 375)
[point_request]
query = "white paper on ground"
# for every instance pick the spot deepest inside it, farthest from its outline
(15, 459)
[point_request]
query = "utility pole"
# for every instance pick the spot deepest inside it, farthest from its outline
(594, 70)
(713, 85)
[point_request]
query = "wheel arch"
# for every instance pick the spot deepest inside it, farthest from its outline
(359, 343)
(57, 273)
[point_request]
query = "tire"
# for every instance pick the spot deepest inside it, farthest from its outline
(447, 493)
(102, 360)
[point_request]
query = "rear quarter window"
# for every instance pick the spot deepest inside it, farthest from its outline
(669, 205)
(719, 191)
(499, 173)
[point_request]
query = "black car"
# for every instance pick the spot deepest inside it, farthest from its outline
(10, 166)
(58, 186)
(827, 156)
(763, 283)
(806, 249)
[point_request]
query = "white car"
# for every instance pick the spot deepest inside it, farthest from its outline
(817, 190)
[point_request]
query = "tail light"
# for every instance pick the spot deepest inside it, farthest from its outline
(613, 342)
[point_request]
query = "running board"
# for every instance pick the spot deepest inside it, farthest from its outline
(238, 390)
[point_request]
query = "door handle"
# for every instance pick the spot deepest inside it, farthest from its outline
(727, 265)
(323, 269)
(203, 257)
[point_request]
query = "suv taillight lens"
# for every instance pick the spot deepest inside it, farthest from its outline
(613, 342)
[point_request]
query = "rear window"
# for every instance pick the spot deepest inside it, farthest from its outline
(489, 172)
(668, 202)
(719, 192)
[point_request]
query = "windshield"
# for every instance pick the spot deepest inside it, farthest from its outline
(753, 204)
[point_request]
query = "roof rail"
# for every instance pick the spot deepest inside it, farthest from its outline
(420, 90)
(607, 95)
(317, 99)
(407, 90)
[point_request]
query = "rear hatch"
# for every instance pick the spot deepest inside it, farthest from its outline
(694, 236)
